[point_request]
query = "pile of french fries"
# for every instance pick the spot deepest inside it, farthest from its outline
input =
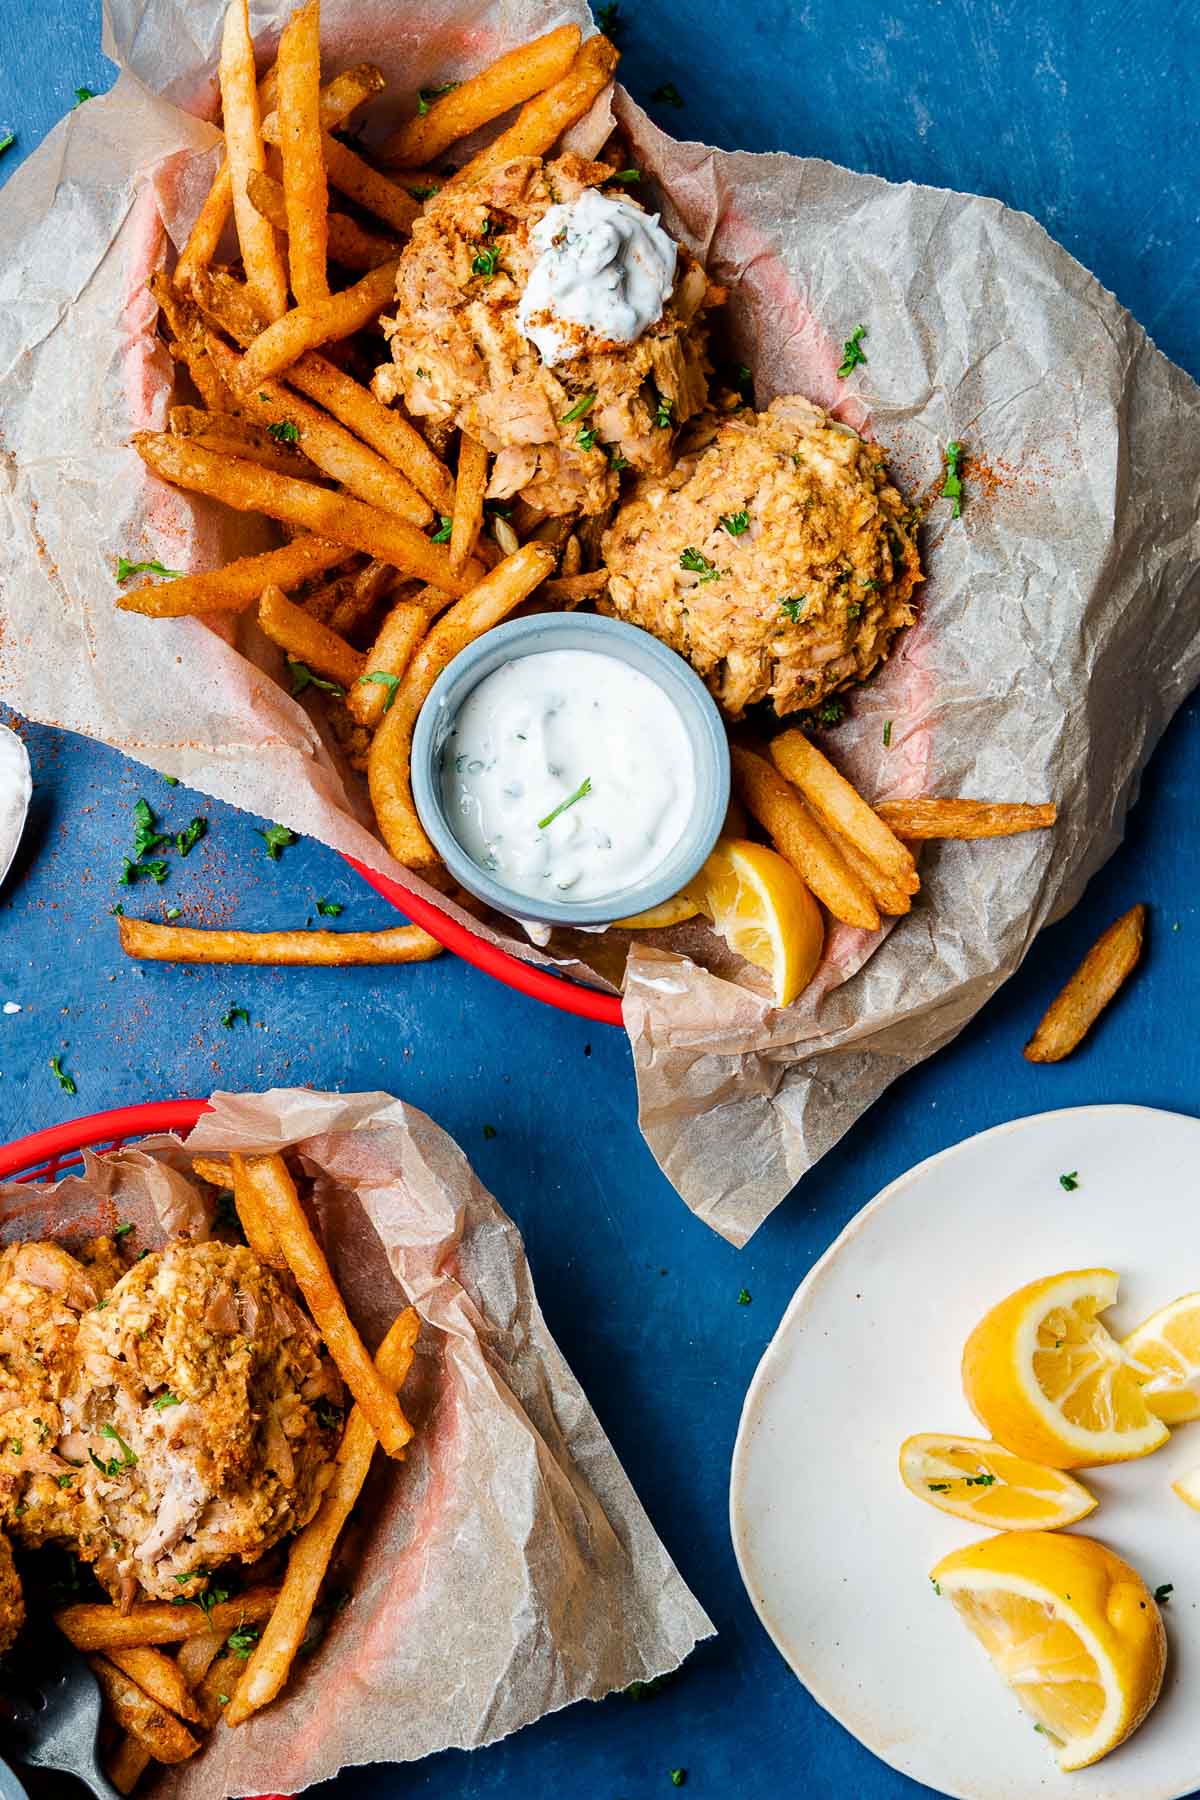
(233, 1655)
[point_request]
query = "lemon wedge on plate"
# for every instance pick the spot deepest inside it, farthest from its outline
(1164, 1354)
(1188, 1488)
(1072, 1629)
(760, 906)
(1050, 1383)
(986, 1485)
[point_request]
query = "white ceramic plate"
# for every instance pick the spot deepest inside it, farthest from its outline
(835, 1553)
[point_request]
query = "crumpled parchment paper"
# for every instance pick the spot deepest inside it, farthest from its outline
(1059, 628)
(507, 1567)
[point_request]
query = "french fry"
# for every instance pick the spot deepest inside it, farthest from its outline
(100, 1625)
(387, 660)
(349, 243)
(196, 1656)
(276, 1191)
(924, 818)
(307, 641)
(244, 151)
(272, 1657)
(305, 191)
(167, 1740)
(362, 592)
(213, 1170)
(218, 1685)
(358, 180)
(256, 1227)
(131, 1759)
(234, 587)
(887, 894)
(207, 231)
(388, 760)
(505, 83)
(151, 942)
(249, 489)
(328, 445)
(127, 1764)
(235, 436)
(798, 837)
(469, 489)
(570, 591)
(187, 344)
(542, 120)
(836, 803)
(338, 317)
(157, 1675)
(1072, 1013)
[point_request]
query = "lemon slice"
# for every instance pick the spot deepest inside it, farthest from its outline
(1164, 1354)
(1048, 1381)
(1188, 1488)
(760, 906)
(668, 912)
(985, 1485)
(1073, 1630)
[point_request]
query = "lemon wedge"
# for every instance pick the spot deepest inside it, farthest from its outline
(760, 906)
(1164, 1355)
(1050, 1383)
(668, 912)
(1073, 1630)
(986, 1485)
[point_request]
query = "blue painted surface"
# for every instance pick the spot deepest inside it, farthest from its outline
(1084, 119)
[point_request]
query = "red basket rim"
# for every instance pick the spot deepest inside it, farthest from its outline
(527, 978)
(102, 1129)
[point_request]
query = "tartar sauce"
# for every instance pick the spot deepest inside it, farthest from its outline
(605, 266)
(568, 775)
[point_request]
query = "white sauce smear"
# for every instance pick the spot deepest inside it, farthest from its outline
(605, 265)
(568, 775)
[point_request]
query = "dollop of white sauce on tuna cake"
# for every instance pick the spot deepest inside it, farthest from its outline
(604, 266)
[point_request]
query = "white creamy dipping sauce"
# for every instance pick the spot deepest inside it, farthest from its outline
(568, 775)
(605, 267)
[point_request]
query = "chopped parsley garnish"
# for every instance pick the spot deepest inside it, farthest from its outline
(10, 137)
(171, 780)
(952, 485)
(222, 1699)
(330, 909)
(741, 379)
(831, 712)
(626, 176)
(662, 417)
(743, 1296)
(586, 436)
(678, 1777)
(277, 838)
(936, 1586)
(66, 1082)
(15, 1446)
(123, 1231)
(667, 94)
(445, 527)
(698, 564)
(328, 1416)
(232, 1014)
(303, 677)
(174, 912)
(64, 1481)
(792, 605)
(852, 351)
(1163, 1593)
(608, 18)
(243, 1640)
(1069, 1181)
(165, 1400)
(82, 94)
(983, 1480)
(114, 1465)
(284, 432)
(734, 523)
(581, 792)
(853, 609)
(580, 410)
(422, 374)
(489, 1132)
(125, 569)
(938, 1487)
(487, 263)
(146, 836)
(887, 734)
(156, 869)
(424, 193)
(190, 836)
(616, 461)
(381, 678)
(426, 95)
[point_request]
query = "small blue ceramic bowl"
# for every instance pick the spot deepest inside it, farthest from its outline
(606, 637)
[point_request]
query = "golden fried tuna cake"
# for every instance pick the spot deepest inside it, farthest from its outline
(12, 1603)
(560, 431)
(205, 1415)
(780, 561)
(43, 1292)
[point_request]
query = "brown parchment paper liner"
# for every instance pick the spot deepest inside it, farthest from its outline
(1059, 629)
(507, 1566)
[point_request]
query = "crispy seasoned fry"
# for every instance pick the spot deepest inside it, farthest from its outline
(297, 331)
(218, 1685)
(343, 96)
(277, 1193)
(99, 1625)
(388, 656)
(273, 1655)
(167, 1740)
(798, 837)
(508, 82)
(244, 151)
(258, 1230)
(388, 762)
(206, 233)
(234, 587)
(1072, 1013)
(305, 192)
(157, 1675)
(925, 818)
(350, 243)
(187, 343)
(359, 181)
(240, 484)
(838, 804)
(328, 445)
(469, 490)
(213, 1170)
(127, 1764)
(542, 121)
(362, 592)
(570, 591)
(196, 1655)
(887, 894)
(235, 436)
(297, 949)
(306, 640)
